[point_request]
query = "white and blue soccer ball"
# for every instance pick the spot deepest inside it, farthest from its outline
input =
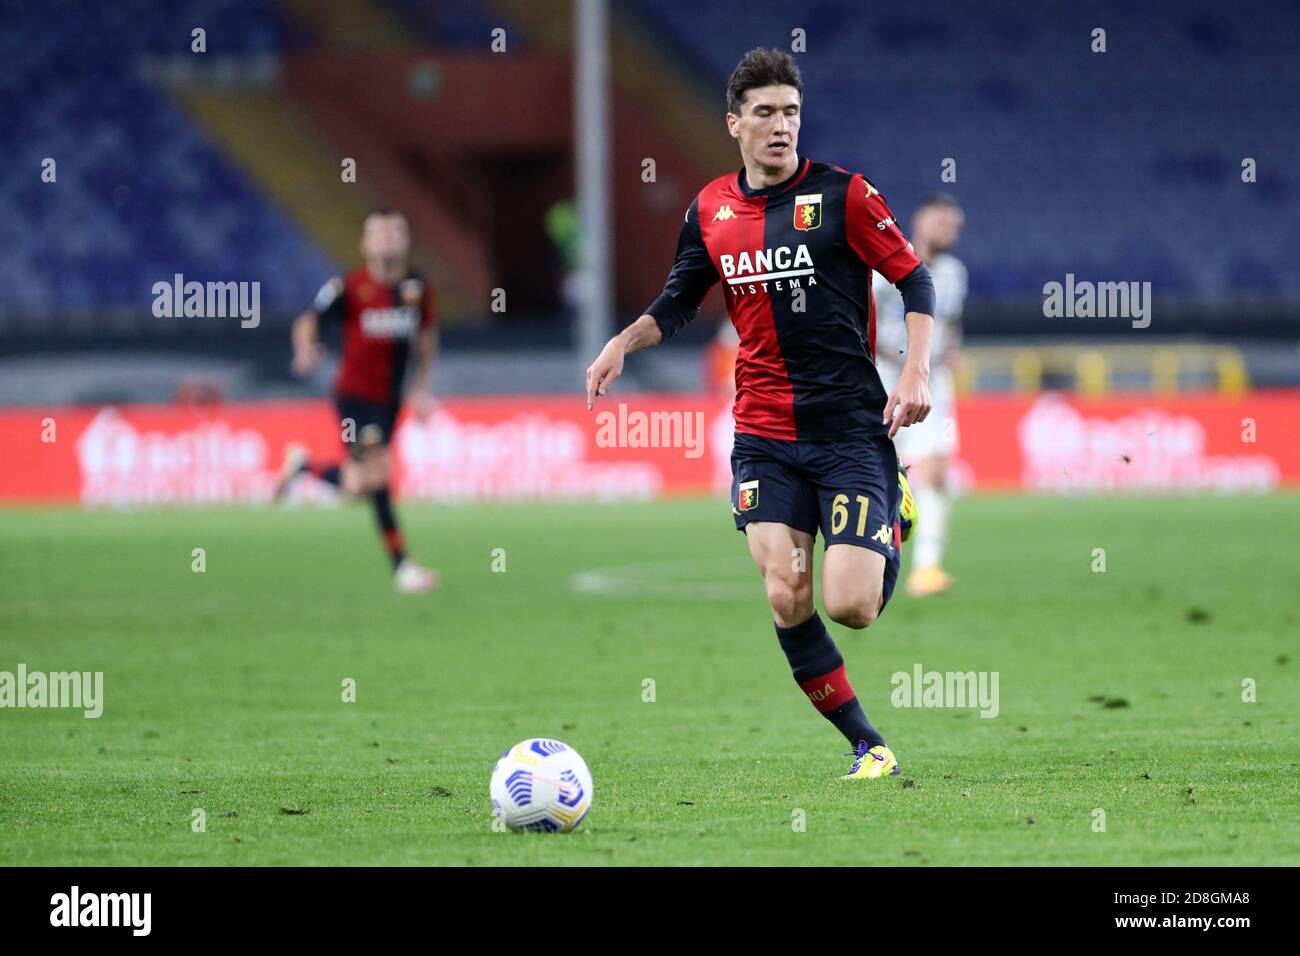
(541, 784)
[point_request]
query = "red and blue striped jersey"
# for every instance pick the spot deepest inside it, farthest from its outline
(795, 263)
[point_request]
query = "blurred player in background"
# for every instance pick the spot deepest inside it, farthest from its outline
(384, 308)
(794, 243)
(927, 447)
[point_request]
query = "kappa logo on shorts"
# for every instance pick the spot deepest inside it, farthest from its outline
(747, 498)
(884, 536)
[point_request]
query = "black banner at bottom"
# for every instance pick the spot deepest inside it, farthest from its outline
(335, 905)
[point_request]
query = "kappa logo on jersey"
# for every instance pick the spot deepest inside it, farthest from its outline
(747, 499)
(808, 212)
(724, 212)
(871, 190)
(389, 323)
(884, 536)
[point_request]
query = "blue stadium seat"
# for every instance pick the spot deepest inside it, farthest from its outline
(1123, 165)
(140, 195)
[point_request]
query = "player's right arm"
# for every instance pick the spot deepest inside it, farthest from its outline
(305, 334)
(873, 233)
(692, 275)
(641, 334)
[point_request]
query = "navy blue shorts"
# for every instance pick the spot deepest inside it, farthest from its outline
(372, 423)
(847, 490)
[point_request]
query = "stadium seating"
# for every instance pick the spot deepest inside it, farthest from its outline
(140, 194)
(1056, 177)
(1117, 165)
(454, 24)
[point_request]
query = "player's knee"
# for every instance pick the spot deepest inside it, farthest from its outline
(856, 611)
(376, 470)
(352, 478)
(790, 599)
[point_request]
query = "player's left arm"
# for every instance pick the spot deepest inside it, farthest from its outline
(420, 393)
(874, 235)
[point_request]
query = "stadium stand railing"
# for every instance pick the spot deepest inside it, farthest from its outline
(1098, 369)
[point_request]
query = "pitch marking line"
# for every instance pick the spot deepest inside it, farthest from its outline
(682, 579)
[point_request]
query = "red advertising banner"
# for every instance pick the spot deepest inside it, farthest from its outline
(470, 449)
(637, 446)
(1199, 442)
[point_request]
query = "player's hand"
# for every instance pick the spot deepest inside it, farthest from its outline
(305, 358)
(602, 372)
(910, 401)
(422, 405)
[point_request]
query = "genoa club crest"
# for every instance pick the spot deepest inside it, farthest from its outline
(747, 499)
(808, 212)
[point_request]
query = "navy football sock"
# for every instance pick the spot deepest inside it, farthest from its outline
(819, 671)
(388, 525)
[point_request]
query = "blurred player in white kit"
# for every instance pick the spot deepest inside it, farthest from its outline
(928, 446)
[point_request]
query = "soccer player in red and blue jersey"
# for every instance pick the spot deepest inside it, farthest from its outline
(384, 308)
(793, 243)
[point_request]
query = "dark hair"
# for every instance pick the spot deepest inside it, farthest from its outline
(939, 199)
(760, 67)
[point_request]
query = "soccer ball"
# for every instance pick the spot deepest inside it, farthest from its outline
(541, 784)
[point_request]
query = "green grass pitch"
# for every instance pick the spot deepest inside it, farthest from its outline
(1119, 691)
